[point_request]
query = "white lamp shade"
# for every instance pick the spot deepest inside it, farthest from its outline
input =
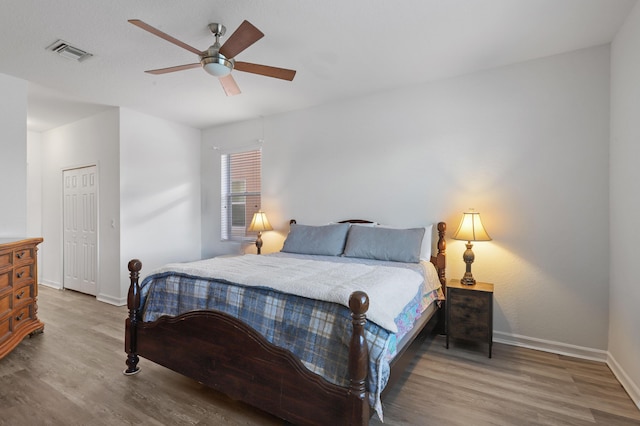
(259, 223)
(471, 228)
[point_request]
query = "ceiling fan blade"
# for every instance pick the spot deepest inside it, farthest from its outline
(243, 37)
(157, 32)
(174, 69)
(265, 70)
(229, 85)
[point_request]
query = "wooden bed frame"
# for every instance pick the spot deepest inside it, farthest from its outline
(242, 364)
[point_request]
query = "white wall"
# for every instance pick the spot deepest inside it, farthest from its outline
(34, 190)
(159, 193)
(34, 184)
(91, 141)
(149, 193)
(624, 318)
(13, 160)
(525, 145)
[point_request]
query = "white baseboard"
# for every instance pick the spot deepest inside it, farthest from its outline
(550, 346)
(111, 300)
(632, 389)
(51, 284)
(100, 297)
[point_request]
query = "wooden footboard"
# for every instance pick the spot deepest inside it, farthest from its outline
(225, 354)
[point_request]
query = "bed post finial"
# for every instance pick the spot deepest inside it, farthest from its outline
(358, 359)
(133, 303)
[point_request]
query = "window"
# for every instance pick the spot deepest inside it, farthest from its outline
(241, 185)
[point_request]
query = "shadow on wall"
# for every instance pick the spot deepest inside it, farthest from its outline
(143, 208)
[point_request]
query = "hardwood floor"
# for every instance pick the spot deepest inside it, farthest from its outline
(72, 375)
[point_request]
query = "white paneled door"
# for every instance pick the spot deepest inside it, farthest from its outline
(80, 229)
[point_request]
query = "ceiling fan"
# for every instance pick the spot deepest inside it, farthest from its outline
(219, 60)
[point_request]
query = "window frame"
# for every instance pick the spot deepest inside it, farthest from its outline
(251, 177)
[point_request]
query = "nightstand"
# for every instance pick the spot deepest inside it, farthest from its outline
(469, 310)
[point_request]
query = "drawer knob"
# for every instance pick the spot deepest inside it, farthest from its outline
(19, 317)
(20, 274)
(20, 255)
(20, 295)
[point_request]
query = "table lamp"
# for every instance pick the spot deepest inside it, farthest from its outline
(470, 229)
(259, 223)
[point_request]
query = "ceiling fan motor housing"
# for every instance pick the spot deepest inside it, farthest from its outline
(217, 30)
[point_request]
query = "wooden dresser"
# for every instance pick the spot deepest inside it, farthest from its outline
(18, 291)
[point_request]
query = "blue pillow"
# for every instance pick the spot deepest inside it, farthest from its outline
(327, 240)
(397, 245)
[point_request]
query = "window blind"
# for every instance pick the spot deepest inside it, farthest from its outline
(240, 188)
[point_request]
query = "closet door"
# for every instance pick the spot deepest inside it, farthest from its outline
(80, 229)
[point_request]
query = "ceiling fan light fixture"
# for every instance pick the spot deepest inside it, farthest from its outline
(217, 65)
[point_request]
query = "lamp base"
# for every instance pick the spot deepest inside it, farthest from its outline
(468, 280)
(259, 242)
(468, 258)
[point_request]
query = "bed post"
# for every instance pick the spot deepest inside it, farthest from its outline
(441, 265)
(358, 360)
(441, 262)
(131, 334)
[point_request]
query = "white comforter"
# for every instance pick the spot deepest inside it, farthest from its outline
(389, 288)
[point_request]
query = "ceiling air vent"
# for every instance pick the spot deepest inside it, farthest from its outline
(67, 51)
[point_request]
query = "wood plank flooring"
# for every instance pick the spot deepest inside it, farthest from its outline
(72, 375)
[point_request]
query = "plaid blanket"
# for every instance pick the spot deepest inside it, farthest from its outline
(316, 332)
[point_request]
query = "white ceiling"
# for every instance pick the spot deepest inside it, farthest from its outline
(340, 49)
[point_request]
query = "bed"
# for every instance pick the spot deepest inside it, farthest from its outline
(224, 347)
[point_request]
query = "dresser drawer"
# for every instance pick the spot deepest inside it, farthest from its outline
(468, 325)
(22, 316)
(5, 303)
(19, 318)
(6, 279)
(5, 328)
(24, 255)
(23, 294)
(470, 307)
(22, 274)
(465, 314)
(472, 302)
(6, 257)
